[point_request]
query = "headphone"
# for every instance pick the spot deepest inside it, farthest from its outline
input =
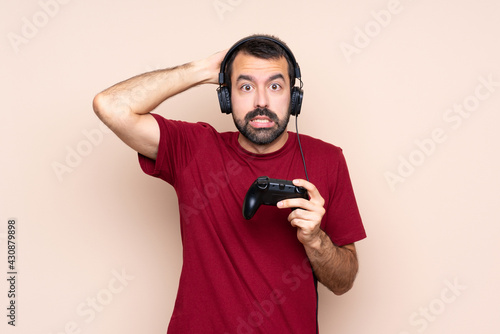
(224, 95)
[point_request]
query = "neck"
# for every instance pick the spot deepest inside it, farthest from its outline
(263, 149)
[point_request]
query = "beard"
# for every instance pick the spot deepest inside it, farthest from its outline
(261, 136)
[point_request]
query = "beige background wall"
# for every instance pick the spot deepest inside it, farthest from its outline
(409, 89)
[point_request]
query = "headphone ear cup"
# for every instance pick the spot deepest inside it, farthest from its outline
(224, 99)
(296, 101)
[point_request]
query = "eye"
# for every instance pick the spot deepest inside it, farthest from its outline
(275, 86)
(246, 87)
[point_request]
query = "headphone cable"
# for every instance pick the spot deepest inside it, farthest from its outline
(300, 145)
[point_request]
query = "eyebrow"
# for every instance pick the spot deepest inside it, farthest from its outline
(244, 77)
(277, 76)
(251, 78)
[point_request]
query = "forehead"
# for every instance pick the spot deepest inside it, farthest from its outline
(245, 64)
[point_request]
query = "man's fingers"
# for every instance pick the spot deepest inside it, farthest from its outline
(313, 192)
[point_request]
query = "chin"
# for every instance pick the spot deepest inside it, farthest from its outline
(263, 136)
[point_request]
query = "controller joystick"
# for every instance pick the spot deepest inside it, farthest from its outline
(269, 191)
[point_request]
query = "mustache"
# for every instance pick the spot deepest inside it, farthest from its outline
(261, 112)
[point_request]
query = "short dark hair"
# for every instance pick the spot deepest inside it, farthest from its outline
(261, 48)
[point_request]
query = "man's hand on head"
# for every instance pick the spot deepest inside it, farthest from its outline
(212, 65)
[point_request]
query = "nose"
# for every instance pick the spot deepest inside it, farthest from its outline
(261, 99)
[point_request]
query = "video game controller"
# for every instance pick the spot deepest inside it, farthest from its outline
(269, 192)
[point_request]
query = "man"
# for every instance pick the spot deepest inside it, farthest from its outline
(243, 276)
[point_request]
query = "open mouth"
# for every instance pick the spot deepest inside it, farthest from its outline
(261, 122)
